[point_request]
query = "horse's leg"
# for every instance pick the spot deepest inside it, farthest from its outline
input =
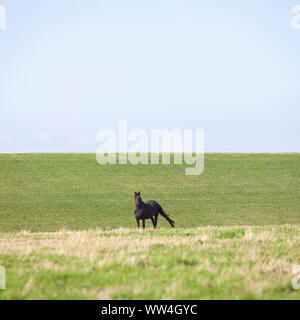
(143, 223)
(153, 222)
(138, 223)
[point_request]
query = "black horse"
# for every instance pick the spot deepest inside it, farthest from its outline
(148, 210)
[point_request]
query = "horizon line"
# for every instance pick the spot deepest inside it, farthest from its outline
(228, 152)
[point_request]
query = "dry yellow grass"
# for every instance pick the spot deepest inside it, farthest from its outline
(206, 262)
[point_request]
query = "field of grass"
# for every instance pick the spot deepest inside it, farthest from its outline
(198, 263)
(67, 228)
(47, 192)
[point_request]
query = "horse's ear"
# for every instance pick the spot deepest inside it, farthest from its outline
(135, 193)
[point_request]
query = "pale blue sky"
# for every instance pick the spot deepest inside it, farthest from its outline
(69, 68)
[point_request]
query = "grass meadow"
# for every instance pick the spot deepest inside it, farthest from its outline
(67, 228)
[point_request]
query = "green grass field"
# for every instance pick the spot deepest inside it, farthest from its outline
(47, 192)
(237, 232)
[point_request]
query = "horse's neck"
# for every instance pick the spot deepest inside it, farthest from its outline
(140, 203)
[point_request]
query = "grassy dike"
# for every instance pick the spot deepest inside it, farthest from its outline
(48, 192)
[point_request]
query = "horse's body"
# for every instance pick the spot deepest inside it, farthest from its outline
(148, 210)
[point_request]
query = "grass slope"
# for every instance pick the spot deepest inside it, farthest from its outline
(47, 192)
(198, 263)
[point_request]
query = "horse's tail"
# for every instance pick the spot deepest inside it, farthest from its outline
(172, 223)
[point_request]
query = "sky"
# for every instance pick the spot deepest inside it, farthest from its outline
(70, 68)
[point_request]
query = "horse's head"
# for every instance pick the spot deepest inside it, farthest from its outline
(137, 195)
(137, 198)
